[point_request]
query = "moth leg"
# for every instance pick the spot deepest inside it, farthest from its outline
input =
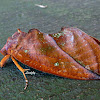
(3, 61)
(22, 70)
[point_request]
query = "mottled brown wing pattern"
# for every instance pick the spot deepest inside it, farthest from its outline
(83, 48)
(70, 53)
(40, 51)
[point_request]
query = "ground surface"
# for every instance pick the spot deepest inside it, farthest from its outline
(23, 14)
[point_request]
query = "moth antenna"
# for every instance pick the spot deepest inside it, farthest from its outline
(3, 61)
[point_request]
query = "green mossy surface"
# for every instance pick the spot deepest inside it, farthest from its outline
(23, 14)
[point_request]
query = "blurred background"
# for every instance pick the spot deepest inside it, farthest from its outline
(49, 18)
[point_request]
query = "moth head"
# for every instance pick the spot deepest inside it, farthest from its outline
(12, 42)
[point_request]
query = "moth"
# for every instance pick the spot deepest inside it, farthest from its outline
(70, 53)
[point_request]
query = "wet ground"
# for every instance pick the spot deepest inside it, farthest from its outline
(24, 14)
